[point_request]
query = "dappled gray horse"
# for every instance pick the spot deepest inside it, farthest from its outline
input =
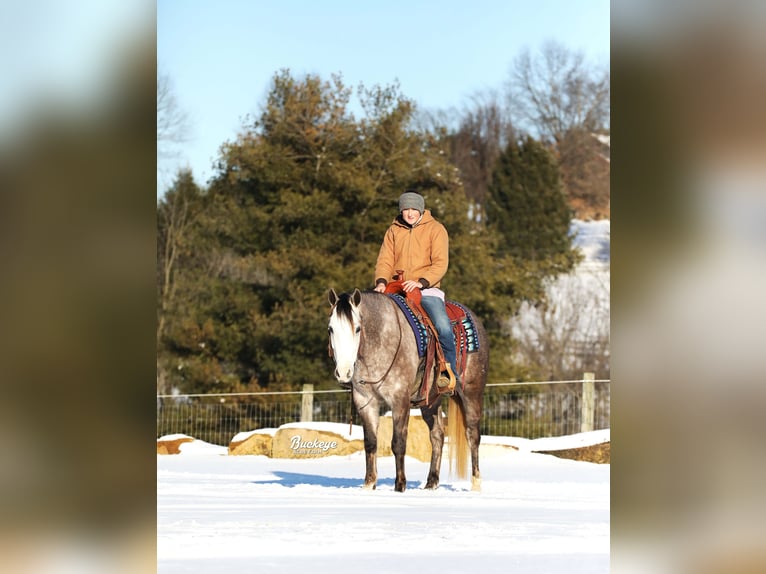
(376, 355)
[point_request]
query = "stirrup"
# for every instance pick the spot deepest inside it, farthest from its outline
(446, 381)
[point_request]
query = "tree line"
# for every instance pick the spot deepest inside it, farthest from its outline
(301, 198)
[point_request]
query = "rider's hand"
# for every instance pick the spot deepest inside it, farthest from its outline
(411, 285)
(380, 288)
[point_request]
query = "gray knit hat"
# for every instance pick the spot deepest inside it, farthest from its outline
(412, 200)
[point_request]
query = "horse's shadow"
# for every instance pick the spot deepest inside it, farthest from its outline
(293, 479)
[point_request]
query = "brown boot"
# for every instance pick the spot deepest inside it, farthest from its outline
(446, 381)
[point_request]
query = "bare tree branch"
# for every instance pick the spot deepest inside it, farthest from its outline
(173, 125)
(556, 91)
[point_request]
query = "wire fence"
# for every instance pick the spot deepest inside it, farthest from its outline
(528, 410)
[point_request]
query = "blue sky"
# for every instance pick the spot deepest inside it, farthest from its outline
(221, 55)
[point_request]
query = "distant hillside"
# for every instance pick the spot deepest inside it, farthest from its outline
(570, 335)
(593, 239)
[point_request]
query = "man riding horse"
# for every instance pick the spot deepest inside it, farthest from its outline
(415, 252)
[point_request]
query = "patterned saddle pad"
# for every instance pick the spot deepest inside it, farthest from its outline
(463, 326)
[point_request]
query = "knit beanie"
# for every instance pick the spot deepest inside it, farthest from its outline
(412, 200)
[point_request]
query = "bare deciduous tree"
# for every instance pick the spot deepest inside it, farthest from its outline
(173, 221)
(570, 334)
(555, 91)
(565, 102)
(173, 129)
(474, 137)
(172, 122)
(584, 165)
(483, 133)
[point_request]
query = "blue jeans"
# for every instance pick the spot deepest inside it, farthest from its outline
(437, 312)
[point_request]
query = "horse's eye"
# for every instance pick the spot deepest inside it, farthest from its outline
(358, 330)
(329, 330)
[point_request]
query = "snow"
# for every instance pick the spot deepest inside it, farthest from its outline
(552, 443)
(579, 309)
(176, 436)
(593, 239)
(604, 139)
(242, 436)
(535, 513)
(234, 514)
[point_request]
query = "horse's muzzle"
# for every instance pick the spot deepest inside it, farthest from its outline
(345, 376)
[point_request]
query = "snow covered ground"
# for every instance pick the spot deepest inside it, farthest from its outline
(233, 514)
(578, 315)
(593, 238)
(535, 513)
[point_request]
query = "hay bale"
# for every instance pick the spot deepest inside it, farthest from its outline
(170, 444)
(322, 439)
(418, 438)
(258, 442)
(598, 453)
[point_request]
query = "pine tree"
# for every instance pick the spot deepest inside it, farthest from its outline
(528, 208)
(299, 204)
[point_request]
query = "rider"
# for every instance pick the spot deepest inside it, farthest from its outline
(418, 245)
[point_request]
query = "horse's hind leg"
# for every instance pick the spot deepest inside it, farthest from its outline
(474, 437)
(436, 433)
(473, 434)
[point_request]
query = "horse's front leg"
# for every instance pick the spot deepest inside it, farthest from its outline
(369, 411)
(400, 414)
(436, 432)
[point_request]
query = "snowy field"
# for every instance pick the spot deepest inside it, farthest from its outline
(234, 514)
(578, 315)
(535, 513)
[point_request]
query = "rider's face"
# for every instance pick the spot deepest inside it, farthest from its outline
(410, 215)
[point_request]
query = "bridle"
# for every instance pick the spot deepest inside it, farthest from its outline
(360, 358)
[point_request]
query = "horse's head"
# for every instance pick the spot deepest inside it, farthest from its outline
(345, 331)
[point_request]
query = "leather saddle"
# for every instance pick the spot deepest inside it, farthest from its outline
(433, 367)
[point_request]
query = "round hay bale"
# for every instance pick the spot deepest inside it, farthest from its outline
(418, 438)
(170, 444)
(292, 441)
(598, 453)
(255, 443)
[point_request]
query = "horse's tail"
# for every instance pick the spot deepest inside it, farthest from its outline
(458, 443)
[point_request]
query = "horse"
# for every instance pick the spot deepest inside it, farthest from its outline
(376, 356)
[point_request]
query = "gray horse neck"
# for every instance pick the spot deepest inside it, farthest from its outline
(381, 336)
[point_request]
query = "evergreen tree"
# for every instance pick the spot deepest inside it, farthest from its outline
(528, 208)
(300, 202)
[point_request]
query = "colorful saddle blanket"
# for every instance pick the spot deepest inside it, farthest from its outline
(463, 327)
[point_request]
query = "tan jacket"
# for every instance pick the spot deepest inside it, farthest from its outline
(422, 251)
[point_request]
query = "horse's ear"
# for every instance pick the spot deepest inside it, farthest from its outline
(332, 296)
(356, 297)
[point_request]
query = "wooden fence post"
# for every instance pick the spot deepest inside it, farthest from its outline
(307, 404)
(587, 408)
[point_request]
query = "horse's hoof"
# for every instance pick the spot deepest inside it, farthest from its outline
(370, 486)
(476, 484)
(400, 487)
(432, 485)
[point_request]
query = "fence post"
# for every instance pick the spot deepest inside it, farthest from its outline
(587, 408)
(307, 404)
